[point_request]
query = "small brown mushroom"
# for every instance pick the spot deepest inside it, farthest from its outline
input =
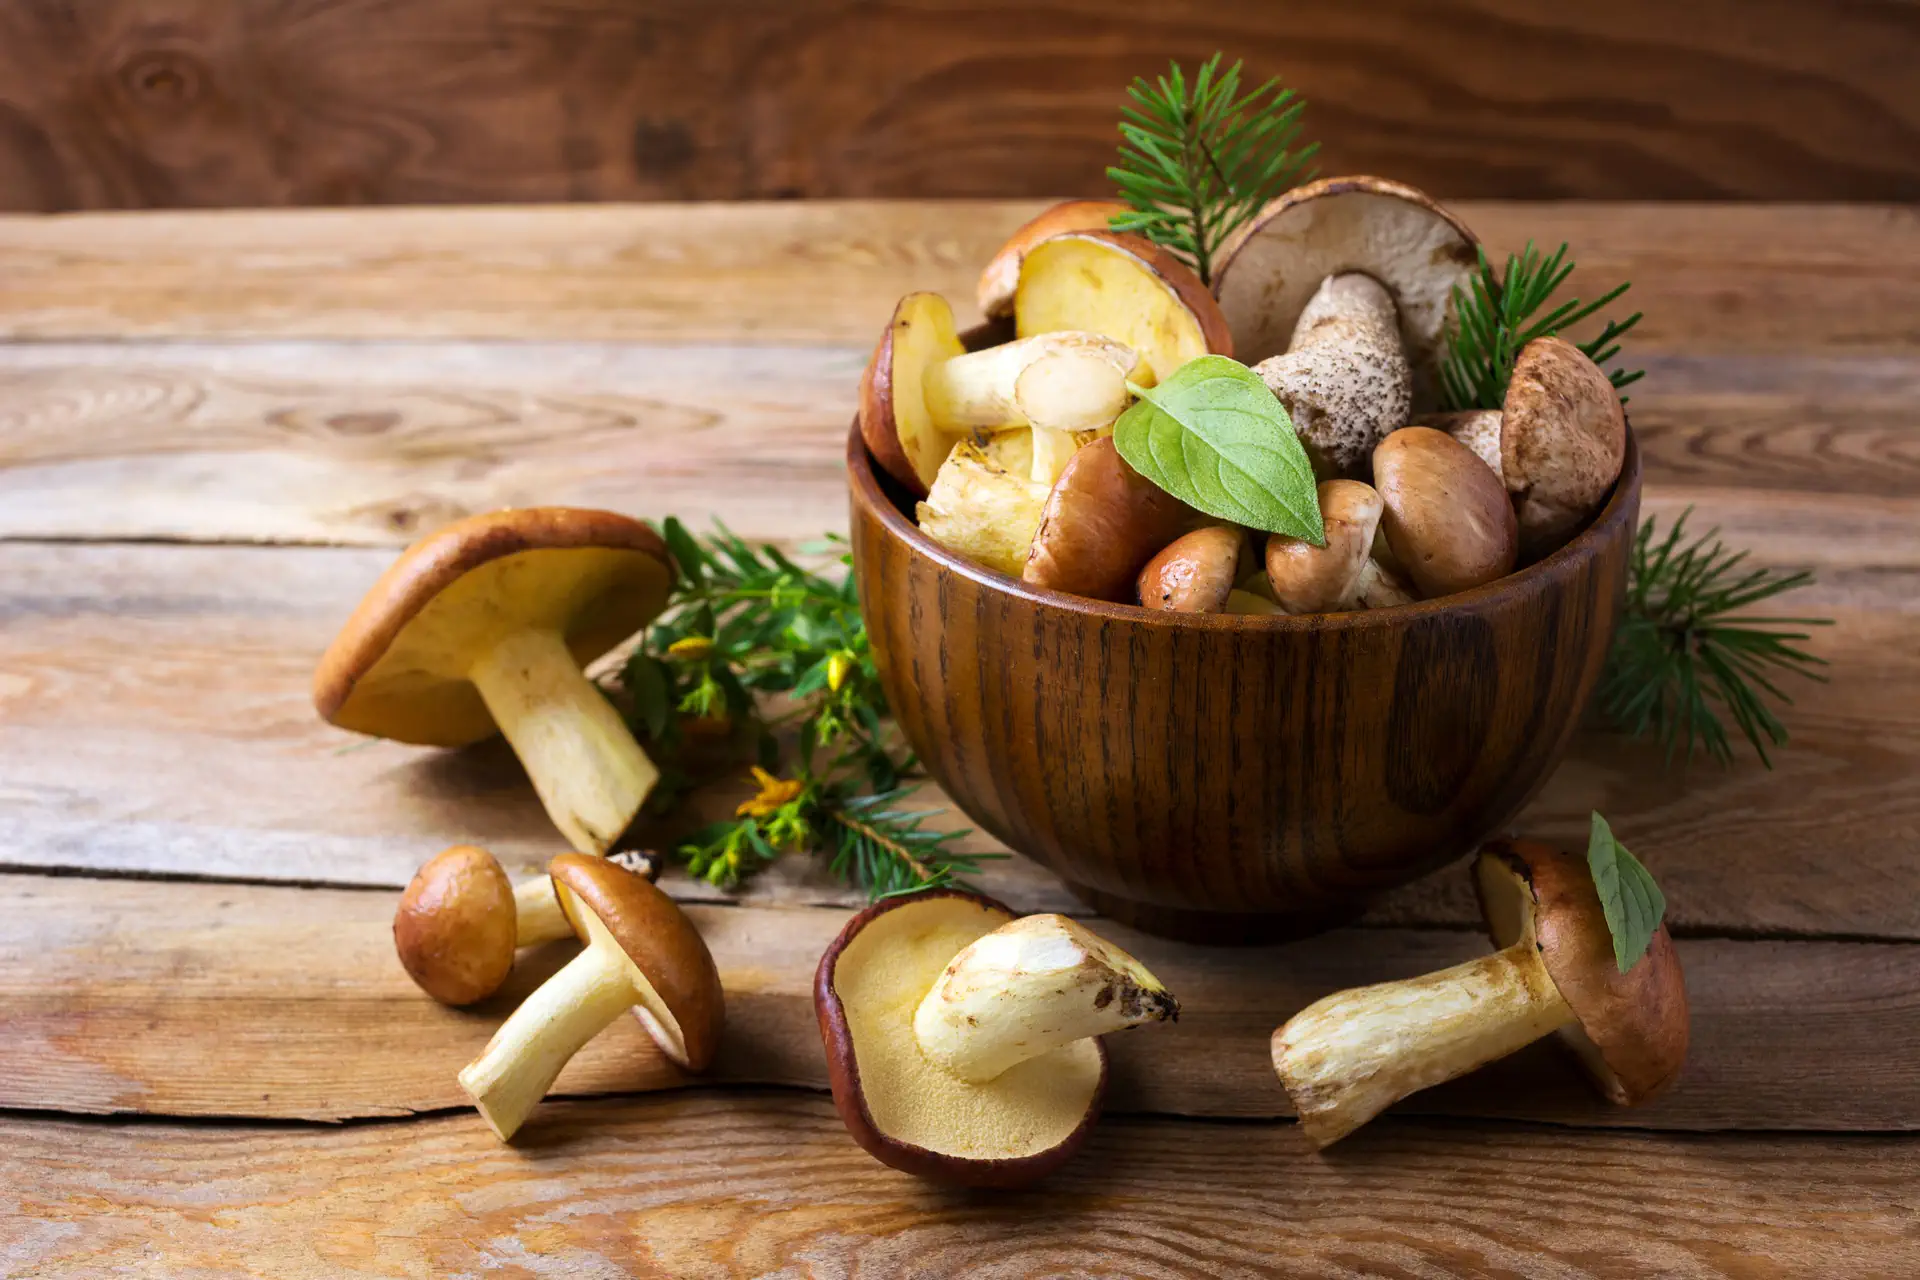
(483, 628)
(1446, 516)
(1344, 379)
(642, 954)
(1342, 574)
(461, 920)
(1195, 573)
(1478, 429)
(1348, 1057)
(1002, 274)
(1101, 524)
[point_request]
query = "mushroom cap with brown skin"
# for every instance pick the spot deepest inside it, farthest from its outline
(456, 927)
(661, 942)
(1397, 234)
(1563, 440)
(1478, 429)
(1101, 524)
(1002, 274)
(901, 1108)
(1630, 1029)
(894, 420)
(1326, 578)
(1125, 287)
(398, 668)
(1195, 573)
(1446, 516)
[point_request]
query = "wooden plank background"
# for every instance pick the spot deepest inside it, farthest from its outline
(195, 103)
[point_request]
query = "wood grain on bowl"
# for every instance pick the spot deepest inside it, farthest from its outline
(1229, 778)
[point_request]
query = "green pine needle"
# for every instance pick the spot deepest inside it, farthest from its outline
(1199, 158)
(1685, 656)
(1496, 316)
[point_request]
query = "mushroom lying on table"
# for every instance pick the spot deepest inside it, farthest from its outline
(1348, 1057)
(1446, 517)
(642, 954)
(484, 627)
(1345, 572)
(962, 1043)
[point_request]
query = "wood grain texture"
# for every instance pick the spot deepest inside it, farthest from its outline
(1804, 280)
(237, 1000)
(698, 1186)
(155, 103)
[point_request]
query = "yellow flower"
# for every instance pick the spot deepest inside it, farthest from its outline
(774, 792)
(838, 667)
(690, 649)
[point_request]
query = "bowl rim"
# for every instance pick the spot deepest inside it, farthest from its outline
(864, 484)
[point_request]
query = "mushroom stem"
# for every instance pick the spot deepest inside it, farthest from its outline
(525, 1056)
(979, 389)
(1028, 988)
(590, 773)
(537, 914)
(1348, 1057)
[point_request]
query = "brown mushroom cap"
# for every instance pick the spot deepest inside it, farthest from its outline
(1324, 579)
(1101, 524)
(1447, 518)
(398, 669)
(1002, 274)
(905, 1111)
(663, 945)
(1563, 440)
(1395, 233)
(1631, 1028)
(1125, 287)
(1195, 573)
(456, 926)
(894, 420)
(1478, 429)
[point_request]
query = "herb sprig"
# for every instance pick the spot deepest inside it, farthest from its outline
(1199, 158)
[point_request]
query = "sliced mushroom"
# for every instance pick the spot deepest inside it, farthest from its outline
(1101, 524)
(1002, 274)
(1195, 573)
(1446, 517)
(982, 511)
(1125, 287)
(1344, 379)
(894, 420)
(484, 627)
(1342, 574)
(642, 954)
(1059, 384)
(1348, 1057)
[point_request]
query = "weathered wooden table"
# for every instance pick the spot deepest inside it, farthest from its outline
(215, 429)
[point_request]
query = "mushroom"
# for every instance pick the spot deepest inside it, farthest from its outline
(1125, 287)
(982, 511)
(894, 420)
(1348, 1057)
(1478, 429)
(1400, 236)
(1344, 379)
(1101, 524)
(484, 626)
(1058, 383)
(1446, 517)
(1342, 574)
(1195, 573)
(962, 1042)
(1002, 274)
(642, 953)
(461, 920)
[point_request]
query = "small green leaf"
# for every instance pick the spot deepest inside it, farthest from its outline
(650, 687)
(1213, 436)
(1632, 901)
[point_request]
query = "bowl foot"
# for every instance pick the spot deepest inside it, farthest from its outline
(1216, 928)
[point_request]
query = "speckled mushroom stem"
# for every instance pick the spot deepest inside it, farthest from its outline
(591, 774)
(1348, 1057)
(537, 914)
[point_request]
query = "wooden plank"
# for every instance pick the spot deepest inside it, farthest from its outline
(231, 1000)
(154, 719)
(1710, 278)
(699, 1186)
(187, 102)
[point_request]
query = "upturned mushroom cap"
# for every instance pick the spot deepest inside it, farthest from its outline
(1563, 440)
(399, 667)
(1326, 579)
(905, 1111)
(1101, 524)
(1446, 517)
(1195, 573)
(1398, 235)
(456, 926)
(687, 1009)
(894, 420)
(1631, 1028)
(1002, 274)
(1123, 286)
(1344, 378)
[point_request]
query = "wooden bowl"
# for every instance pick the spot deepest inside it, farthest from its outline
(1224, 778)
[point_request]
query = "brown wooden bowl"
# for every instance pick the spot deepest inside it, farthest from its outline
(1224, 778)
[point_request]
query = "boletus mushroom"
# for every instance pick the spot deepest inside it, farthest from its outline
(485, 627)
(641, 954)
(982, 510)
(1002, 274)
(1344, 573)
(1348, 1057)
(1446, 517)
(962, 1042)
(1344, 380)
(1101, 523)
(1058, 384)
(894, 420)
(1125, 287)
(1196, 572)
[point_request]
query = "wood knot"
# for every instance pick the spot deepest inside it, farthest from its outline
(164, 79)
(363, 423)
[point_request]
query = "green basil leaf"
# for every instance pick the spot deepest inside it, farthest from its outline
(1213, 436)
(1632, 901)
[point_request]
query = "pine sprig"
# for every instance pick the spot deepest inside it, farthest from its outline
(1199, 158)
(1496, 316)
(1685, 654)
